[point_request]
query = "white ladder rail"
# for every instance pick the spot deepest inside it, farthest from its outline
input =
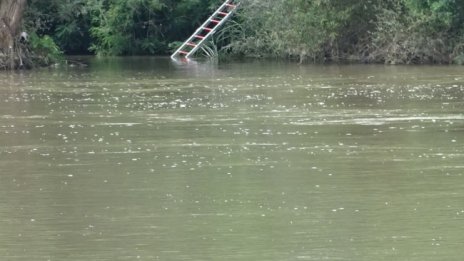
(204, 27)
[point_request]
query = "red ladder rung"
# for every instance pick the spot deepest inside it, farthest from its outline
(191, 44)
(183, 52)
(199, 36)
(215, 21)
(207, 29)
(223, 13)
(230, 5)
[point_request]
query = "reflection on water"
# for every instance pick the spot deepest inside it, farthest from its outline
(143, 159)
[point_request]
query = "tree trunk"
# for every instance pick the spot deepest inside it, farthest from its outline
(11, 14)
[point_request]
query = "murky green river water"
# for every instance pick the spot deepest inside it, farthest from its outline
(141, 159)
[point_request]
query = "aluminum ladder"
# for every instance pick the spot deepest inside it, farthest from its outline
(208, 28)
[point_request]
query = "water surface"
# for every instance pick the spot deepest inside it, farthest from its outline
(143, 159)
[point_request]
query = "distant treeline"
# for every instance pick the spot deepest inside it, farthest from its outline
(371, 31)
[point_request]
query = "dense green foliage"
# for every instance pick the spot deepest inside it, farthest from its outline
(116, 27)
(388, 31)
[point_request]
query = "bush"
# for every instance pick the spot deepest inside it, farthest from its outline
(389, 31)
(44, 50)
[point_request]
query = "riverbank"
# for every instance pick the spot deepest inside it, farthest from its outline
(386, 32)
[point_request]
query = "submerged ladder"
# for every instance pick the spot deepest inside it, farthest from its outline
(208, 28)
